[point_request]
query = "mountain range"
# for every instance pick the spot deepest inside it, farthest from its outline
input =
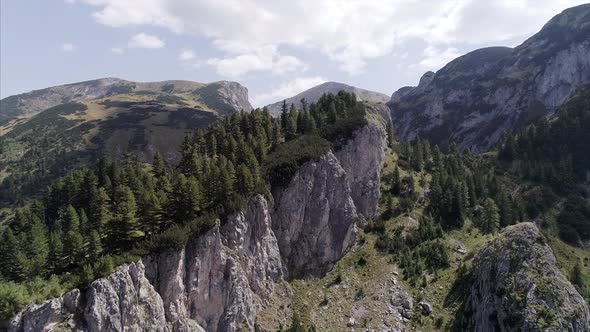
(460, 204)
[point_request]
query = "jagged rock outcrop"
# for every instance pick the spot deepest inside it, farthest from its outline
(478, 97)
(362, 160)
(517, 286)
(222, 278)
(49, 314)
(315, 218)
(128, 299)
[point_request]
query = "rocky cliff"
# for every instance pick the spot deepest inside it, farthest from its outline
(518, 287)
(478, 97)
(221, 279)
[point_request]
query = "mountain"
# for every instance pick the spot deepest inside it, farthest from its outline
(370, 233)
(313, 94)
(28, 104)
(478, 97)
(47, 132)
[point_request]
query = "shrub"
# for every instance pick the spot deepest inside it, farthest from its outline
(281, 164)
(87, 275)
(15, 296)
(103, 267)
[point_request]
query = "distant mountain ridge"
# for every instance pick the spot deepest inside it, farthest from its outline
(31, 103)
(46, 132)
(479, 96)
(313, 94)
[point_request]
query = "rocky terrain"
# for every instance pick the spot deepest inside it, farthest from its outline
(313, 94)
(478, 97)
(221, 279)
(516, 286)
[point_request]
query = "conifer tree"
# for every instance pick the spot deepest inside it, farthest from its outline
(124, 225)
(94, 246)
(56, 259)
(11, 259)
(490, 221)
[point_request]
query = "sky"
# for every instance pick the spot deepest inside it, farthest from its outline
(276, 48)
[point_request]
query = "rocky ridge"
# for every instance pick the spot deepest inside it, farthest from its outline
(517, 286)
(29, 104)
(222, 278)
(478, 97)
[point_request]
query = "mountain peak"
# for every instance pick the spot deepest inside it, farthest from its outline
(314, 93)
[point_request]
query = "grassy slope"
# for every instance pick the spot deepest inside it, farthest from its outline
(60, 137)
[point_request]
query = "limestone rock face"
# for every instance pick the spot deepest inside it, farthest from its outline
(125, 300)
(222, 278)
(362, 160)
(518, 287)
(479, 96)
(48, 315)
(315, 218)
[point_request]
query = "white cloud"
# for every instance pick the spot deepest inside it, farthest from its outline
(189, 60)
(287, 90)
(143, 40)
(68, 47)
(186, 55)
(265, 58)
(117, 50)
(351, 32)
(435, 57)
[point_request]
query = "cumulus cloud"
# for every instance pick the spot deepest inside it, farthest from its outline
(68, 47)
(351, 32)
(143, 40)
(286, 90)
(189, 60)
(186, 55)
(265, 58)
(117, 50)
(435, 57)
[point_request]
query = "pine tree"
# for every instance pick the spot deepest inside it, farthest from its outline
(389, 130)
(36, 247)
(71, 220)
(56, 259)
(576, 276)
(246, 182)
(151, 212)
(100, 213)
(125, 226)
(158, 166)
(490, 221)
(332, 114)
(94, 246)
(11, 267)
(85, 226)
(73, 251)
(395, 181)
(187, 199)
